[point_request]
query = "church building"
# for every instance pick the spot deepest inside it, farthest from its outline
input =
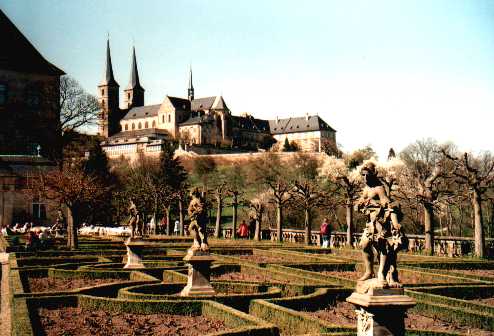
(139, 129)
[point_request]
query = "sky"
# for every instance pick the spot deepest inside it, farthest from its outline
(382, 73)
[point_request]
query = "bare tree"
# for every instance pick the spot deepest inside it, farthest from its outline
(346, 181)
(476, 173)
(423, 179)
(258, 207)
(306, 191)
(275, 176)
(75, 189)
(77, 107)
(235, 183)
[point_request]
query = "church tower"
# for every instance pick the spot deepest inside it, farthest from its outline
(134, 93)
(190, 90)
(109, 100)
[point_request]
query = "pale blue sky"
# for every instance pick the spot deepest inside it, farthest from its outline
(408, 69)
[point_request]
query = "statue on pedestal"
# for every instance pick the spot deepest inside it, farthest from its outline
(380, 301)
(383, 232)
(198, 257)
(198, 220)
(134, 221)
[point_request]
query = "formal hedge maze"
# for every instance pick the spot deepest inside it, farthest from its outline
(262, 289)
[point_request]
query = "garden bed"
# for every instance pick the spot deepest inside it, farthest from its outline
(45, 284)
(406, 277)
(247, 276)
(261, 259)
(80, 322)
(343, 314)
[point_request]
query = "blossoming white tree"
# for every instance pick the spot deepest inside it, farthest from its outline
(348, 181)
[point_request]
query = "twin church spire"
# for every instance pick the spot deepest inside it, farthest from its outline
(109, 100)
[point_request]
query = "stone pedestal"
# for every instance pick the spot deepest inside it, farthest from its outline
(380, 311)
(135, 247)
(199, 271)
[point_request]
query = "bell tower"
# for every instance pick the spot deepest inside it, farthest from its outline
(190, 90)
(108, 92)
(134, 93)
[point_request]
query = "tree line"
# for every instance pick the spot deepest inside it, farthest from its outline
(441, 190)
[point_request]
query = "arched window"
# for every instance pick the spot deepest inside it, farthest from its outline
(139, 126)
(126, 127)
(133, 126)
(163, 118)
(146, 125)
(154, 123)
(169, 118)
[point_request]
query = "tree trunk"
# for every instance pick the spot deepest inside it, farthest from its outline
(279, 221)
(429, 228)
(234, 217)
(308, 227)
(181, 216)
(257, 233)
(349, 223)
(478, 225)
(72, 226)
(217, 229)
(168, 224)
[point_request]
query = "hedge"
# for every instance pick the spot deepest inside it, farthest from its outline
(169, 291)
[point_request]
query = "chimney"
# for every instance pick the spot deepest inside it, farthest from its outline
(307, 116)
(277, 120)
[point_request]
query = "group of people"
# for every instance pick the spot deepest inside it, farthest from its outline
(247, 230)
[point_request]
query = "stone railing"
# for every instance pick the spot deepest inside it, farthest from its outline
(443, 245)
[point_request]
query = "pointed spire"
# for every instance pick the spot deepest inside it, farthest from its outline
(108, 79)
(134, 73)
(190, 90)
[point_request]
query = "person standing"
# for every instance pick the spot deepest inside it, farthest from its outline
(243, 230)
(325, 233)
(252, 227)
(176, 228)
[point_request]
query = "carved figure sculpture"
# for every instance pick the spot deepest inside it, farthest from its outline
(198, 219)
(134, 221)
(383, 233)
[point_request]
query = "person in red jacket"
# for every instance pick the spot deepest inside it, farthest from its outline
(243, 230)
(325, 233)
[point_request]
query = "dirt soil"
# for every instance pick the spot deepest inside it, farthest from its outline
(261, 259)
(486, 273)
(487, 301)
(344, 314)
(249, 277)
(76, 321)
(57, 284)
(405, 278)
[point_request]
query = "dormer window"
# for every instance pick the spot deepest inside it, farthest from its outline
(3, 94)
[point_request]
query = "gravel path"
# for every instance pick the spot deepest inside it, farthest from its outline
(4, 296)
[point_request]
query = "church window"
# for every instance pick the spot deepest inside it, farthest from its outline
(133, 126)
(102, 92)
(154, 123)
(39, 210)
(163, 118)
(169, 118)
(139, 126)
(146, 125)
(32, 97)
(3, 94)
(126, 127)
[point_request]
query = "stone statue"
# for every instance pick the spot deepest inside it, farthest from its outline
(134, 221)
(59, 222)
(198, 219)
(383, 233)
